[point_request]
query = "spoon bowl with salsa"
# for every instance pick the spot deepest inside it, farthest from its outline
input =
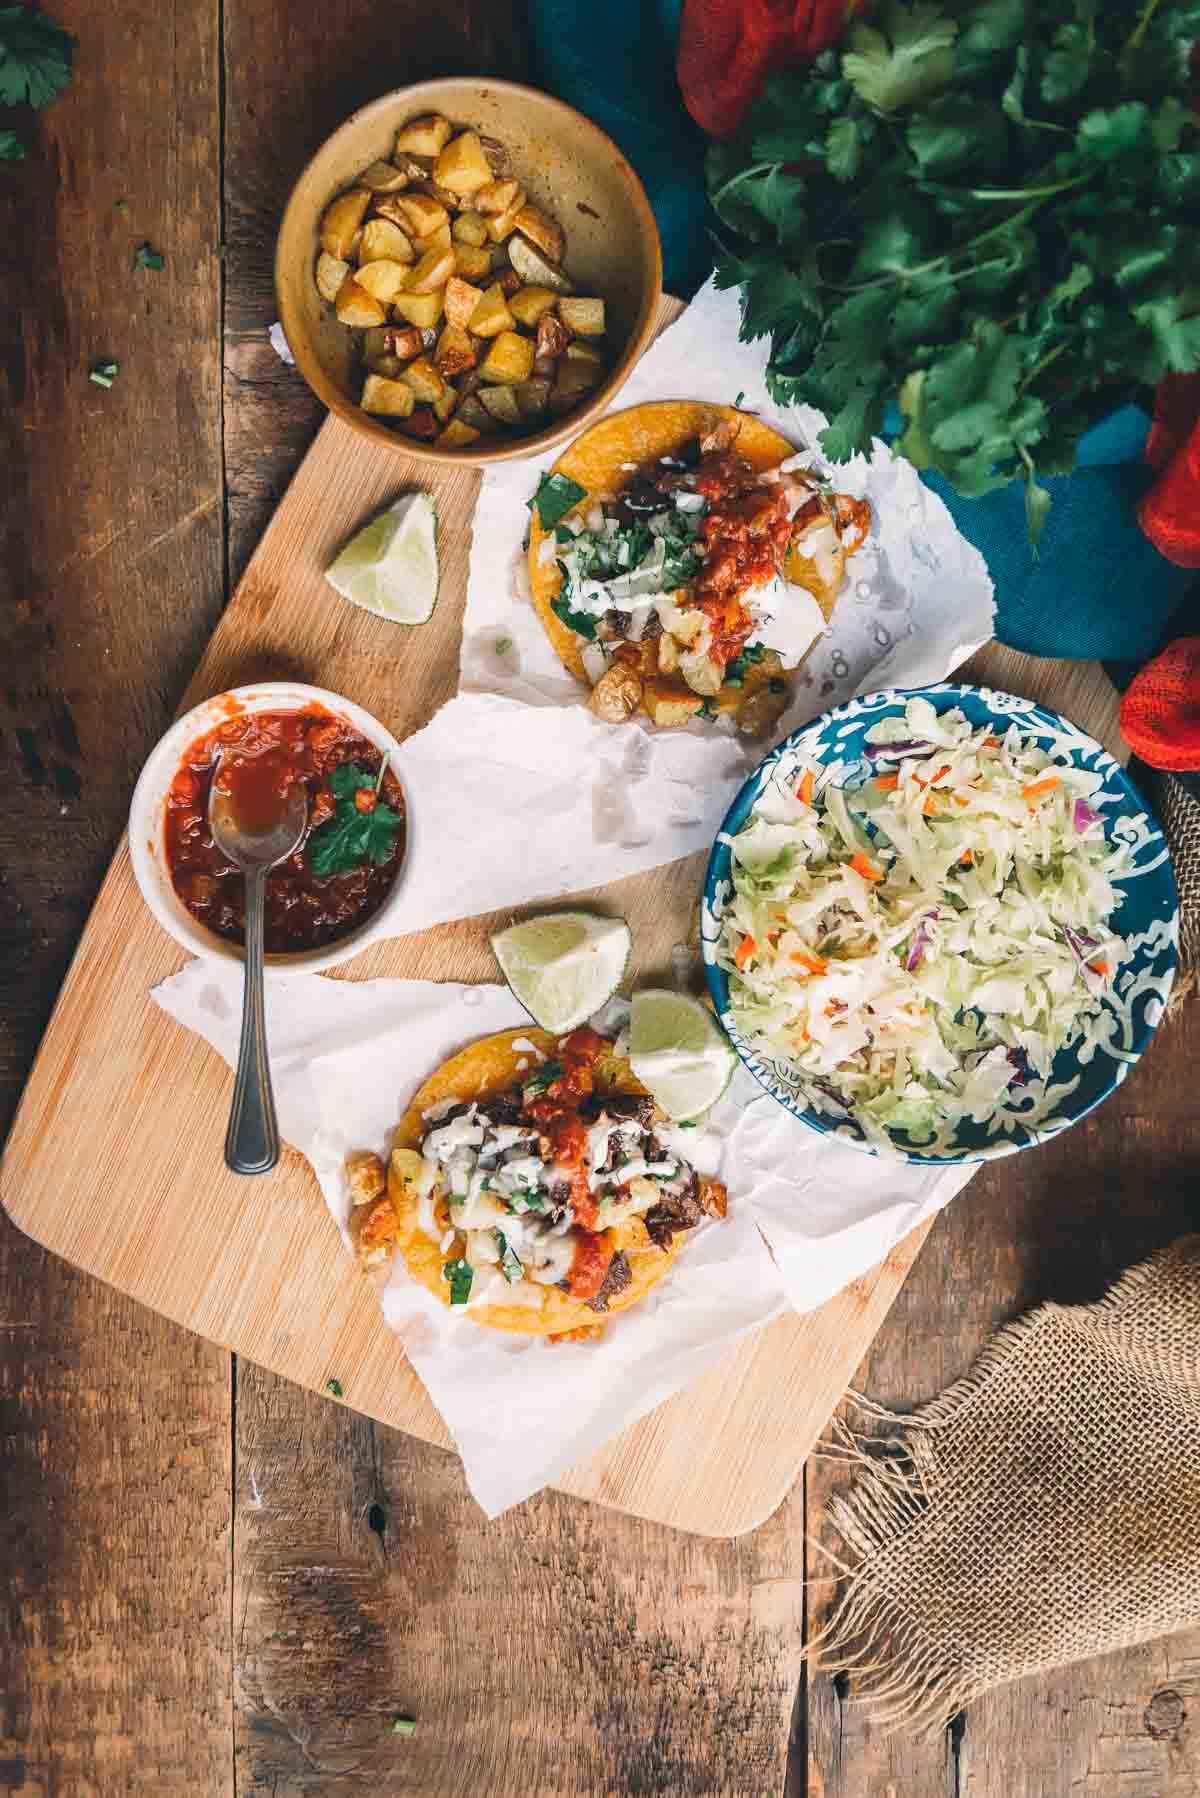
(336, 892)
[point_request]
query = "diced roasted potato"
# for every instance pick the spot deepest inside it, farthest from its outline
(445, 406)
(462, 165)
(377, 341)
(436, 240)
(500, 224)
(355, 306)
(457, 435)
(421, 214)
(497, 196)
(584, 317)
(552, 336)
(331, 272)
(509, 359)
(385, 364)
(617, 694)
(461, 301)
(668, 654)
(542, 231)
(405, 341)
(571, 381)
(545, 365)
(390, 399)
(365, 1177)
(387, 206)
(669, 701)
(501, 402)
(384, 240)
(425, 136)
(341, 220)
(584, 353)
(420, 309)
(433, 271)
(383, 279)
(443, 195)
(533, 396)
(533, 267)
(455, 351)
(383, 178)
(474, 413)
(468, 227)
(508, 281)
(417, 168)
(424, 379)
(422, 423)
(356, 246)
(491, 315)
(473, 262)
(528, 304)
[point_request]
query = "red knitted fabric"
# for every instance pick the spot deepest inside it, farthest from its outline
(1170, 512)
(1160, 713)
(727, 48)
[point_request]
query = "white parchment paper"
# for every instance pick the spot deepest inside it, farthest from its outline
(347, 1056)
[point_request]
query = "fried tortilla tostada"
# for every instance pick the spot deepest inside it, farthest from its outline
(534, 1182)
(683, 560)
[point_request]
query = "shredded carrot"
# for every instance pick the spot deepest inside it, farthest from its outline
(959, 800)
(864, 866)
(887, 781)
(1103, 968)
(930, 807)
(804, 791)
(804, 1036)
(993, 742)
(933, 778)
(965, 859)
(1036, 788)
(813, 963)
(831, 1010)
(745, 950)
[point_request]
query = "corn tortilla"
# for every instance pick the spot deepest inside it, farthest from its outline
(484, 1070)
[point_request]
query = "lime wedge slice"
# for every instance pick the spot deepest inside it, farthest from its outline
(391, 566)
(563, 967)
(678, 1052)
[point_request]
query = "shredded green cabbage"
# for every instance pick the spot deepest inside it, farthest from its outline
(920, 946)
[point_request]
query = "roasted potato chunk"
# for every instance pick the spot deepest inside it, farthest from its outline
(473, 262)
(386, 206)
(669, 702)
(420, 309)
(542, 231)
(461, 300)
(382, 240)
(424, 379)
(533, 396)
(552, 337)
(529, 304)
(383, 178)
(330, 273)
(422, 423)
(474, 413)
(455, 352)
(356, 306)
(500, 224)
(433, 271)
(382, 279)
(446, 405)
(457, 435)
(502, 403)
(533, 267)
(491, 315)
(365, 1177)
(509, 359)
(421, 214)
(462, 165)
(436, 240)
(468, 227)
(497, 196)
(390, 399)
(571, 381)
(617, 695)
(508, 281)
(425, 136)
(584, 354)
(584, 318)
(341, 220)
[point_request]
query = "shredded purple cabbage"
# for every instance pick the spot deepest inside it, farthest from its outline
(831, 1093)
(1019, 1062)
(921, 938)
(1078, 944)
(894, 752)
(1084, 815)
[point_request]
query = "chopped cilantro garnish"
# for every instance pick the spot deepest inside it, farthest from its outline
(404, 1726)
(503, 645)
(738, 401)
(335, 1386)
(539, 1081)
(460, 1274)
(510, 1265)
(560, 605)
(352, 837)
(556, 494)
(146, 256)
(707, 710)
(103, 374)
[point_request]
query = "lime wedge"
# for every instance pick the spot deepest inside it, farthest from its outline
(391, 566)
(678, 1052)
(563, 967)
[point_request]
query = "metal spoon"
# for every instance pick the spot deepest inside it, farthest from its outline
(252, 1139)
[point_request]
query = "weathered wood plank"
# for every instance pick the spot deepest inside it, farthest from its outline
(114, 1514)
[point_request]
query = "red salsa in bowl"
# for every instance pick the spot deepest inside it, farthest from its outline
(353, 846)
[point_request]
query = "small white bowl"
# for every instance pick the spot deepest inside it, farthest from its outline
(147, 814)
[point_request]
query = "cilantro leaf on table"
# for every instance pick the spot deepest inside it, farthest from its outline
(35, 57)
(989, 217)
(146, 256)
(556, 494)
(12, 148)
(352, 836)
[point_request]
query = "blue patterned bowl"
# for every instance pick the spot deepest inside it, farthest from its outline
(1147, 917)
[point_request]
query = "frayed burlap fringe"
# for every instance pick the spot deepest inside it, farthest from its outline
(1044, 1509)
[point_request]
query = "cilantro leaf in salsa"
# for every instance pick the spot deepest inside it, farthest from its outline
(460, 1274)
(556, 494)
(35, 57)
(352, 836)
(537, 1083)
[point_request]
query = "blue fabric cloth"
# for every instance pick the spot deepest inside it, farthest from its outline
(1098, 587)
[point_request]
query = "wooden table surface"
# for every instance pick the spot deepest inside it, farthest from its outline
(217, 1583)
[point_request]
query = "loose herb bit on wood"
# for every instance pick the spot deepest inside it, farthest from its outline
(460, 1275)
(35, 57)
(120, 205)
(404, 1726)
(986, 212)
(335, 1386)
(104, 373)
(352, 836)
(12, 148)
(556, 494)
(146, 256)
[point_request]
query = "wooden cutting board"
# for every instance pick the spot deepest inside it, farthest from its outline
(115, 1158)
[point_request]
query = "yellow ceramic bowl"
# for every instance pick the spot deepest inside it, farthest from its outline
(566, 165)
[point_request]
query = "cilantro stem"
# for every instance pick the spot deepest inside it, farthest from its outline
(1025, 193)
(1039, 367)
(1135, 37)
(758, 168)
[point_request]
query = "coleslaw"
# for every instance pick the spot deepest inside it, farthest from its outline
(921, 942)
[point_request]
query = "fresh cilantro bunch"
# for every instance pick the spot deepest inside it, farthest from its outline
(353, 836)
(987, 212)
(35, 66)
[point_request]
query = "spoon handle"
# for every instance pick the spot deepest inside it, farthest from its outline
(252, 1140)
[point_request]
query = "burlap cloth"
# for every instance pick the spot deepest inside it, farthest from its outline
(1178, 809)
(1043, 1510)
